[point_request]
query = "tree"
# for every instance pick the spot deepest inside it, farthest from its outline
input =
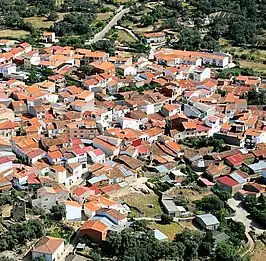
(226, 252)
(189, 39)
(57, 213)
(212, 204)
(95, 256)
(166, 219)
(52, 16)
(104, 45)
(86, 69)
(147, 20)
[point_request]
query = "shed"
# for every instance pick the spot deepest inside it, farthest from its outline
(208, 221)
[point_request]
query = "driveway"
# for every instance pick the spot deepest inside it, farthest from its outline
(115, 19)
(243, 216)
(69, 248)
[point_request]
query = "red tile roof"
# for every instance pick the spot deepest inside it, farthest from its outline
(226, 180)
(47, 245)
(94, 225)
(235, 160)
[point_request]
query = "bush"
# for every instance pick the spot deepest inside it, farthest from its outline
(244, 56)
(166, 219)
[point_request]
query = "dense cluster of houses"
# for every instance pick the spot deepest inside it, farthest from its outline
(84, 145)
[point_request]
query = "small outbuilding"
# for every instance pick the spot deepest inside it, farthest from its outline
(208, 221)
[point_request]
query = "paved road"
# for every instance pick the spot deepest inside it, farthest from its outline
(69, 248)
(115, 19)
(242, 216)
(251, 245)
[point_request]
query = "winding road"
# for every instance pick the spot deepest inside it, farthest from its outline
(113, 22)
(243, 216)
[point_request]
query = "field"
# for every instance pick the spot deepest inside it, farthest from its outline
(191, 195)
(169, 230)
(103, 16)
(259, 252)
(172, 229)
(125, 37)
(13, 33)
(257, 66)
(248, 58)
(144, 205)
(39, 22)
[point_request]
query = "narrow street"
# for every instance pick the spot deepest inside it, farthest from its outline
(113, 22)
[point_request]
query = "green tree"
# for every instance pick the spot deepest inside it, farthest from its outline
(166, 219)
(226, 252)
(104, 45)
(52, 16)
(86, 69)
(57, 213)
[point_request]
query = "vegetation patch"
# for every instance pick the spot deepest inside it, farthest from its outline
(61, 232)
(148, 204)
(259, 252)
(103, 16)
(39, 22)
(13, 33)
(125, 37)
(170, 230)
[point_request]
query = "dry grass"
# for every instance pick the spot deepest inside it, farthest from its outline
(172, 229)
(142, 202)
(169, 230)
(259, 253)
(189, 194)
(39, 21)
(255, 57)
(103, 16)
(257, 66)
(125, 37)
(61, 15)
(13, 33)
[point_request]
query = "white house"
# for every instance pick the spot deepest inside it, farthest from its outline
(73, 210)
(103, 117)
(109, 145)
(90, 209)
(201, 73)
(59, 173)
(127, 70)
(81, 193)
(5, 164)
(114, 215)
(46, 198)
(50, 248)
(129, 123)
(8, 69)
(154, 37)
(97, 155)
(48, 37)
(120, 111)
(214, 123)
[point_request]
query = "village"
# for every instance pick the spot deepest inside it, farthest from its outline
(101, 141)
